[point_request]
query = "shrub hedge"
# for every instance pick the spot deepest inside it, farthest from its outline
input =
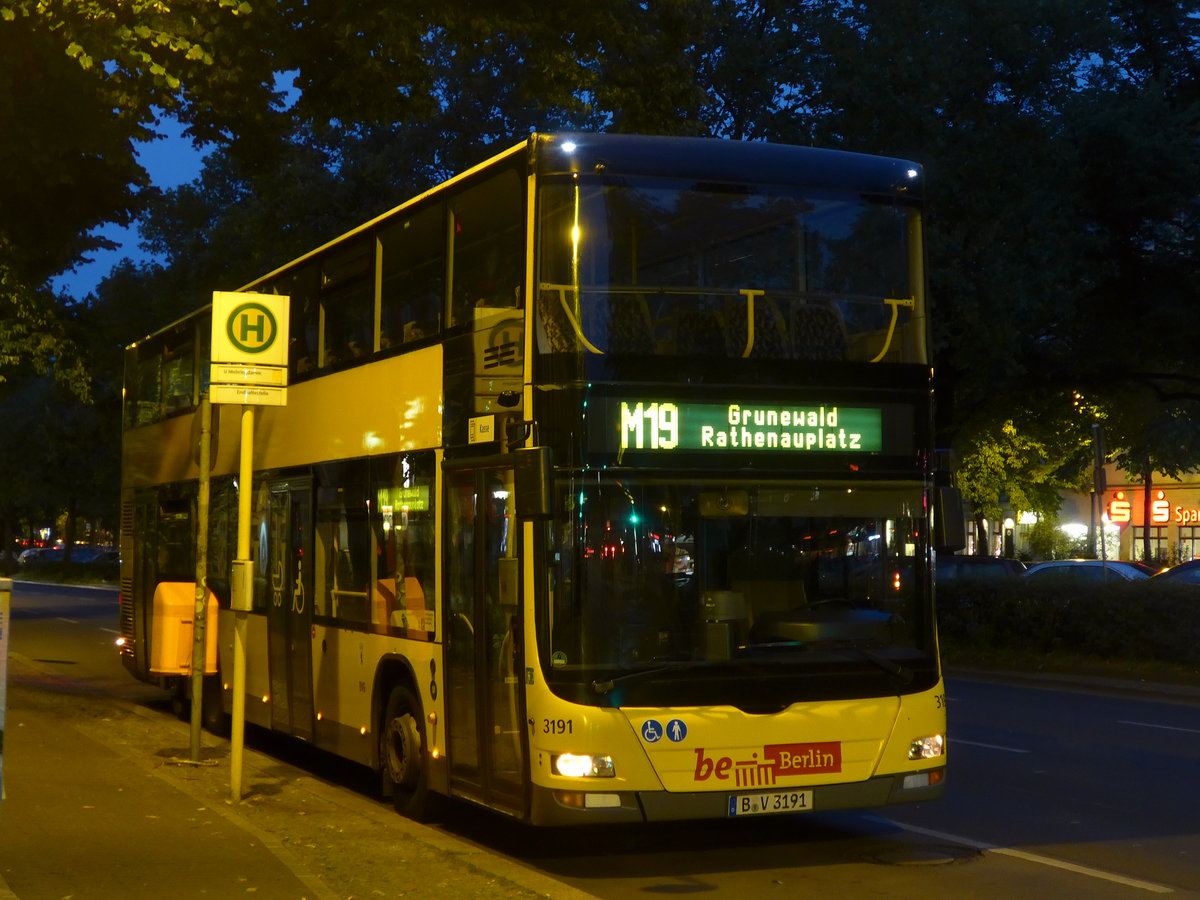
(1139, 621)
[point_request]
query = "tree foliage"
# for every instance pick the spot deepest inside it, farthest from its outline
(81, 83)
(1009, 468)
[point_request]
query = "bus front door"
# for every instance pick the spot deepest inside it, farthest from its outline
(289, 605)
(485, 701)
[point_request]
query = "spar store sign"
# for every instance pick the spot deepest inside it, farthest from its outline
(1120, 511)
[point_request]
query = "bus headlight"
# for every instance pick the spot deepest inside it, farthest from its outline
(927, 747)
(582, 765)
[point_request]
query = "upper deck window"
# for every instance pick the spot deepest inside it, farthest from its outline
(413, 291)
(303, 286)
(348, 305)
(487, 239)
(163, 376)
(179, 369)
(693, 269)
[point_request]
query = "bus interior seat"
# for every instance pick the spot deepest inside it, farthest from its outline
(700, 332)
(554, 331)
(383, 602)
(392, 611)
(630, 328)
(817, 332)
(770, 330)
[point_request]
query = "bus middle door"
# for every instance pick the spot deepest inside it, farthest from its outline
(289, 605)
(485, 699)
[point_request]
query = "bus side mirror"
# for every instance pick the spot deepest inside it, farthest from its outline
(533, 471)
(949, 527)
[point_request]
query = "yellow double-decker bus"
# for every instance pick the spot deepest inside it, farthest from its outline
(603, 492)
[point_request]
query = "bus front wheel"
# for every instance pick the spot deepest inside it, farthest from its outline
(403, 757)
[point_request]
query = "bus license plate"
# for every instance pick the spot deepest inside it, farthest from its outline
(774, 802)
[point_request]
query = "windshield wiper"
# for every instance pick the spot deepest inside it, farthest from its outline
(901, 673)
(604, 687)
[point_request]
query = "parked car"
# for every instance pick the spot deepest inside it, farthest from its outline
(88, 553)
(1146, 567)
(38, 555)
(1086, 571)
(82, 553)
(105, 557)
(953, 568)
(1184, 573)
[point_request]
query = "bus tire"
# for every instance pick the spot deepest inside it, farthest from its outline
(403, 756)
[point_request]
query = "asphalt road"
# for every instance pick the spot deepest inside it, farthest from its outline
(1063, 793)
(1101, 781)
(73, 631)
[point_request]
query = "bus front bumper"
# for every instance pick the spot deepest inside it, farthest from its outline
(557, 807)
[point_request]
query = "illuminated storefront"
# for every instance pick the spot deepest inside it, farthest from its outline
(1172, 515)
(1121, 516)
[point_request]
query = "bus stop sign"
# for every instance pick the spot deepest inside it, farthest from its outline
(250, 329)
(249, 348)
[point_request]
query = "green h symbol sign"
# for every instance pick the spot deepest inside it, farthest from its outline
(251, 328)
(258, 327)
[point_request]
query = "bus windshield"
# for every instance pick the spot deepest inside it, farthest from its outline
(690, 269)
(715, 578)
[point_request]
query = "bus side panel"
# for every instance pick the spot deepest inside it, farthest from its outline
(258, 676)
(349, 697)
(158, 454)
(387, 407)
(342, 677)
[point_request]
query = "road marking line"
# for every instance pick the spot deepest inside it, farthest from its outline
(954, 740)
(1039, 859)
(1163, 727)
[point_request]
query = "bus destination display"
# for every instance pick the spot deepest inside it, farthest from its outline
(666, 425)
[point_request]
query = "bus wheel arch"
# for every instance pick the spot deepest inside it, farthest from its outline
(404, 754)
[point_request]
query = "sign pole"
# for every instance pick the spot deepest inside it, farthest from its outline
(243, 590)
(5, 612)
(1099, 484)
(200, 616)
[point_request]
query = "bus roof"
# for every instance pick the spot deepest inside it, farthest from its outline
(719, 160)
(715, 160)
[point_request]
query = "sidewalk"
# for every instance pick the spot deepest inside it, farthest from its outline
(102, 803)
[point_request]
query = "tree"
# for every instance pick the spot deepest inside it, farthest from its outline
(1154, 436)
(1023, 468)
(80, 83)
(45, 473)
(760, 64)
